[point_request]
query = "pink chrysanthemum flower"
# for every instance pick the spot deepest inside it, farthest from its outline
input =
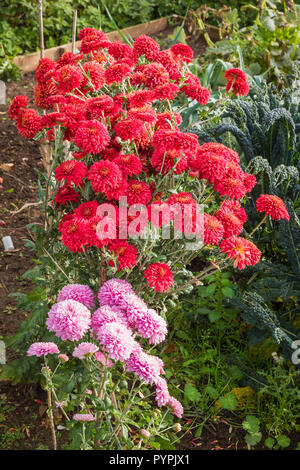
(148, 368)
(107, 314)
(113, 291)
(177, 407)
(273, 206)
(162, 392)
(242, 251)
(85, 349)
(83, 418)
(159, 276)
(103, 359)
(42, 349)
(79, 292)
(69, 320)
(63, 357)
(92, 137)
(116, 340)
(152, 326)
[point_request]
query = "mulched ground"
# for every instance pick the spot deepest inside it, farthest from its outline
(23, 422)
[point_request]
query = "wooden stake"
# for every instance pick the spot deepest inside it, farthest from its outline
(42, 45)
(74, 31)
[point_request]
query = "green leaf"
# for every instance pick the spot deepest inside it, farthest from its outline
(251, 424)
(211, 288)
(229, 402)
(253, 439)
(269, 442)
(283, 440)
(214, 315)
(227, 292)
(212, 392)
(191, 393)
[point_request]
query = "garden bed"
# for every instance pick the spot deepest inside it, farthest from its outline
(23, 424)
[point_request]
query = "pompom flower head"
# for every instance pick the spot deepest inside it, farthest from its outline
(159, 276)
(79, 292)
(116, 340)
(84, 349)
(92, 137)
(273, 206)
(237, 82)
(69, 320)
(42, 349)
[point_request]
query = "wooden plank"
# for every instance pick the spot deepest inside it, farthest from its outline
(29, 62)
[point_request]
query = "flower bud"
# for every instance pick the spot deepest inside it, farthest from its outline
(145, 433)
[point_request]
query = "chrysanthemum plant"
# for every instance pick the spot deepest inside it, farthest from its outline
(135, 199)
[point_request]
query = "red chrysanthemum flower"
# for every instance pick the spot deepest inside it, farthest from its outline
(45, 65)
(92, 39)
(249, 181)
(87, 210)
(231, 186)
(235, 208)
(192, 88)
(18, 104)
(273, 206)
(68, 58)
(44, 94)
(96, 75)
(129, 129)
(69, 77)
(29, 123)
(213, 230)
(159, 276)
(73, 234)
(167, 121)
(66, 195)
(231, 223)
(144, 45)
(159, 213)
(100, 231)
(120, 50)
(184, 213)
(71, 171)
(165, 160)
(242, 251)
(98, 106)
(92, 137)
(126, 254)
(129, 164)
(106, 177)
(139, 98)
(169, 61)
(237, 82)
(116, 73)
(138, 192)
(182, 52)
(167, 91)
(154, 75)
